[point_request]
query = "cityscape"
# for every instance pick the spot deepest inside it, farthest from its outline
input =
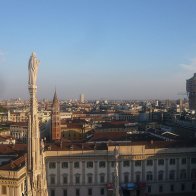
(121, 129)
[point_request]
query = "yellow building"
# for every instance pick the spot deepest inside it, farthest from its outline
(12, 170)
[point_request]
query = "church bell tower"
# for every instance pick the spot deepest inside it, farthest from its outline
(55, 119)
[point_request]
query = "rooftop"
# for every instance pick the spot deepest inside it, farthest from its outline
(100, 136)
(12, 156)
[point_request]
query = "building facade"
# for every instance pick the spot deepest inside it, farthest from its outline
(13, 171)
(14, 116)
(19, 131)
(13, 178)
(191, 90)
(144, 169)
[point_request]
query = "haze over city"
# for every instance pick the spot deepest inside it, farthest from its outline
(98, 98)
(104, 49)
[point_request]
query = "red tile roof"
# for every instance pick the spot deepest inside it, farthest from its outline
(6, 149)
(15, 164)
(109, 135)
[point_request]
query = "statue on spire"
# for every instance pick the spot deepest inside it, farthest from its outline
(33, 67)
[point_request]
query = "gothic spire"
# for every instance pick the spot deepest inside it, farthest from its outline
(55, 99)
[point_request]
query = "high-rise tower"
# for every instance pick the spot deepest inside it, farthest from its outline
(191, 91)
(37, 185)
(82, 98)
(56, 119)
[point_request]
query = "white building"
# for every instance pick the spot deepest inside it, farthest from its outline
(82, 98)
(153, 169)
(19, 131)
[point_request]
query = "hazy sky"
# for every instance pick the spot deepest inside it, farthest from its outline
(102, 48)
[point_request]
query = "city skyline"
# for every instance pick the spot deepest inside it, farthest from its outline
(111, 50)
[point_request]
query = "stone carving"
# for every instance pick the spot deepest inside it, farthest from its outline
(116, 171)
(37, 185)
(33, 67)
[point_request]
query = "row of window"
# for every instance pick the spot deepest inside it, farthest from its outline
(4, 189)
(102, 190)
(172, 175)
(77, 178)
(89, 164)
(126, 163)
(149, 177)
(172, 161)
(172, 188)
(77, 192)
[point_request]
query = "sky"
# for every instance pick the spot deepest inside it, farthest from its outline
(106, 49)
